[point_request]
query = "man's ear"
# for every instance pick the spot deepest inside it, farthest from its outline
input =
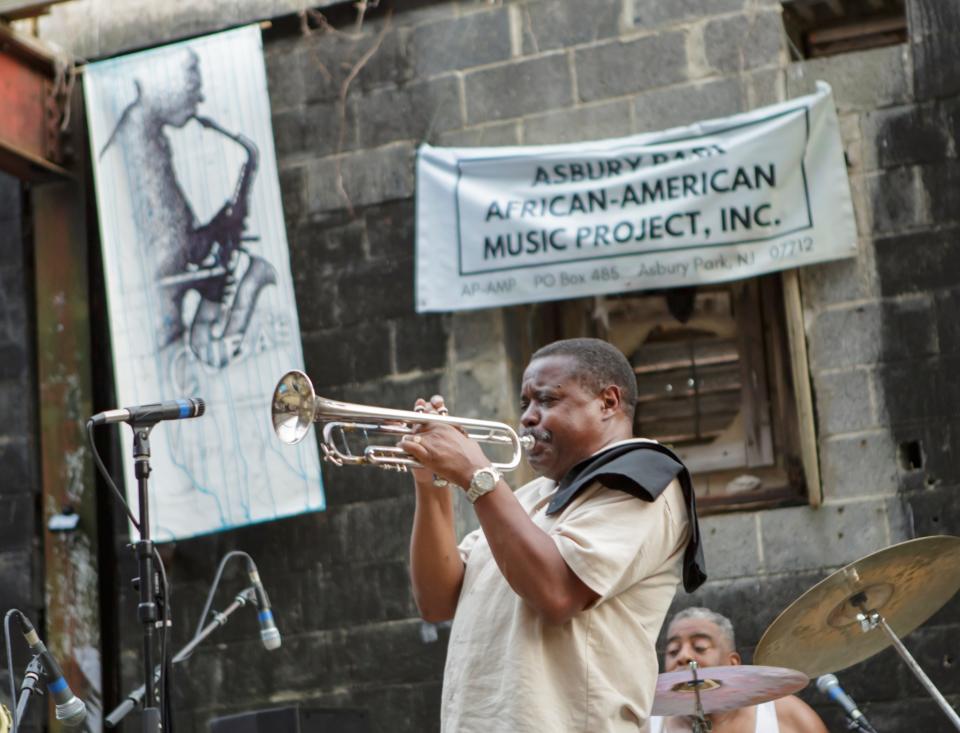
(611, 398)
(735, 658)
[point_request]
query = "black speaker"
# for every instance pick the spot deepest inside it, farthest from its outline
(293, 719)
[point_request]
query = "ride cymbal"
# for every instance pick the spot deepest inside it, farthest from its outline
(905, 583)
(723, 688)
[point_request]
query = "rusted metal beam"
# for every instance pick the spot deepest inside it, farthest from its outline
(30, 113)
(65, 397)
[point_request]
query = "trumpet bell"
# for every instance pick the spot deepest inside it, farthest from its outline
(293, 407)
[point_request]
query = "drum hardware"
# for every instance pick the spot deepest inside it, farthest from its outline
(865, 607)
(700, 722)
(296, 406)
(718, 689)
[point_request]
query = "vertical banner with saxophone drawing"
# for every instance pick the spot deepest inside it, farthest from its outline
(199, 289)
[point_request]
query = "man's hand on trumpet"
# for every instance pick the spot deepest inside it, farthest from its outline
(444, 450)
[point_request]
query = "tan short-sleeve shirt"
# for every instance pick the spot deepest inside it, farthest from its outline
(509, 671)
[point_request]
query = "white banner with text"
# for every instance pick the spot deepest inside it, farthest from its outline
(719, 200)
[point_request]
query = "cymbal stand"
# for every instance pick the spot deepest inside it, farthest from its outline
(870, 620)
(700, 722)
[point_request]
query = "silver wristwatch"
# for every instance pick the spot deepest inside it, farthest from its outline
(483, 482)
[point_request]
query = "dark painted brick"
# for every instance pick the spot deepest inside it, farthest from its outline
(934, 28)
(313, 130)
(422, 342)
(937, 651)
(938, 440)
(17, 521)
(895, 200)
(941, 183)
(552, 24)
(906, 135)
(16, 409)
(13, 361)
(623, 67)
(326, 61)
(948, 322)
(908, 330)
(11, 201)
(361, 483)
(935, 510)
(292, 192)
(517, 89)
(376, 291)
(390, 229)
(916, 262)
(285, 82)
(459, 43)
(743, 42)
(731, 598)
(912, 392)
(907, 715)
(318, 302)
(400, 393)
(16, 579)
(413, 112)
(322, 246)
(16, 459)
(331, 358)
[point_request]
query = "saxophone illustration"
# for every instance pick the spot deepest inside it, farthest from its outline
(228, 277)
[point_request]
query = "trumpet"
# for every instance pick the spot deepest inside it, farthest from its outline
(296, 406)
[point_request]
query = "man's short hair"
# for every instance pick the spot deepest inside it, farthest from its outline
(721, 621)
(600, 365)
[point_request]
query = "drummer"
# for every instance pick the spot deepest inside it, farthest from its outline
(706, 637)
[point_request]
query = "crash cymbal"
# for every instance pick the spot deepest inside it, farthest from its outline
(723, 688)
(905, 583)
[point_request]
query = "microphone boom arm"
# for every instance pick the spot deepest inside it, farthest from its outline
(135, 699)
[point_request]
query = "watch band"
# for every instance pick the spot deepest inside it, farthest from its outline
(483, 482)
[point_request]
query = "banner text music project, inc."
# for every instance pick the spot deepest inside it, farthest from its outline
(719, 200)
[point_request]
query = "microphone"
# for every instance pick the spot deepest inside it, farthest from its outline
(152, 414)
(70, 709)
(269, 633)
(830, 686)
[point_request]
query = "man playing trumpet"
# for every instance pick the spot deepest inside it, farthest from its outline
(558, 598)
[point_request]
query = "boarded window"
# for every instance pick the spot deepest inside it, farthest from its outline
(828, 27)
(715, 382)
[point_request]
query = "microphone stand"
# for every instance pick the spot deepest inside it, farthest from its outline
(147, 609)
(248, 595)
(31, 679)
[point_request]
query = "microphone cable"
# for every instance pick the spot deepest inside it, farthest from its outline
(13, 684)
(107, 477)
(213, 588)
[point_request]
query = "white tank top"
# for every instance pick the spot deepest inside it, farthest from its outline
(766, 720)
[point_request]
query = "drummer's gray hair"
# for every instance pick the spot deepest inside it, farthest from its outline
(721, 621)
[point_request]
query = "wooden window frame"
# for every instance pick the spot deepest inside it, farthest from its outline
(775, 343)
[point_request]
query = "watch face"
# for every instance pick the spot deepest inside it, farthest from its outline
(485, 479)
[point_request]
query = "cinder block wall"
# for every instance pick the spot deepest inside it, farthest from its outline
(881, 328)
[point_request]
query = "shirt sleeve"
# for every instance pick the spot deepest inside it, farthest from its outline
(467, 543)
(614, 540)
